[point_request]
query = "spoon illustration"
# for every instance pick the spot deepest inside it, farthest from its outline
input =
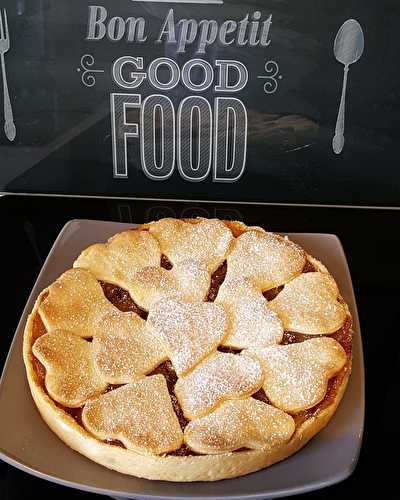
(348, 48)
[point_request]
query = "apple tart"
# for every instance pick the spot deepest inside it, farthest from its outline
(189, 350)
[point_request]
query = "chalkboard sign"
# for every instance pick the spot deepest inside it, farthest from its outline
(271, 101)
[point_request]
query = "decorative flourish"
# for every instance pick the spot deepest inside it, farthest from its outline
(87, 77)
(272, 76)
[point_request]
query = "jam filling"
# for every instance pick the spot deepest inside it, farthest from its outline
(343, 336)
(38, 328)
(40, 370)
(229, 350)
(309, 268)
(115, 442)
(111, 387)
(166, 263)
(75, 413)
(168, 371)
(183, 451)
(332, 390)
(217, 279)
(121, 299)
(272, 293)
(261, 396)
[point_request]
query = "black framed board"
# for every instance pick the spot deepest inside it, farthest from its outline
(269, 101)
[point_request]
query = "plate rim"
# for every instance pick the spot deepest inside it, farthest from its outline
(313, 485)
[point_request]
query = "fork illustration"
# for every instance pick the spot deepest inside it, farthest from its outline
(9, 127)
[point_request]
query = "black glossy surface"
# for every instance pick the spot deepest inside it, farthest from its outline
(63, 142)
(371, 242)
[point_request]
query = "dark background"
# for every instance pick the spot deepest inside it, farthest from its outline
(63, 128)
(371, 241)
(63, 147)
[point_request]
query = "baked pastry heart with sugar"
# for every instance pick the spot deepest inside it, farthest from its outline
(75, 302)
(123, 348)
(246, 423)
(267, 258)
(71, 376)
(139, 414)
(309, 304)
(252, 322)
(118, 260)
(220, 377)
(188, 281)
(180, 240)
(188, 331)
(296, 376)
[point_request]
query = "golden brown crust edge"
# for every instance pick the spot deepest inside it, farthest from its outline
(168, 468)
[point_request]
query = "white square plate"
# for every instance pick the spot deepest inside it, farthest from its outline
(27, 443)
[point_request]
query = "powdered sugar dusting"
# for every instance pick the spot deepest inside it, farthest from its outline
(187, 280)
(309, 304)
(252, 322)
(124, 350)
(118, 260)
(188, 331)
(236, 424)
(206, 241)
(139, 414)
(221, 376)
(75, 302)
(296, 375)
(71, 377)
(266, 258)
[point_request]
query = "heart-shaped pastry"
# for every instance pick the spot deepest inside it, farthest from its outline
(220, 377)
(75, 302)
(309, 304)
(71, 376)
(252, 322)
(246, 423)
(179, 240)
(188, 281)
(139, 414)
(118, 260)
(188, 331)
(124, 349)
(296, 376)
(266, 258)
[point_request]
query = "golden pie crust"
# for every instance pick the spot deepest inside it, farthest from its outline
(181, 387)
